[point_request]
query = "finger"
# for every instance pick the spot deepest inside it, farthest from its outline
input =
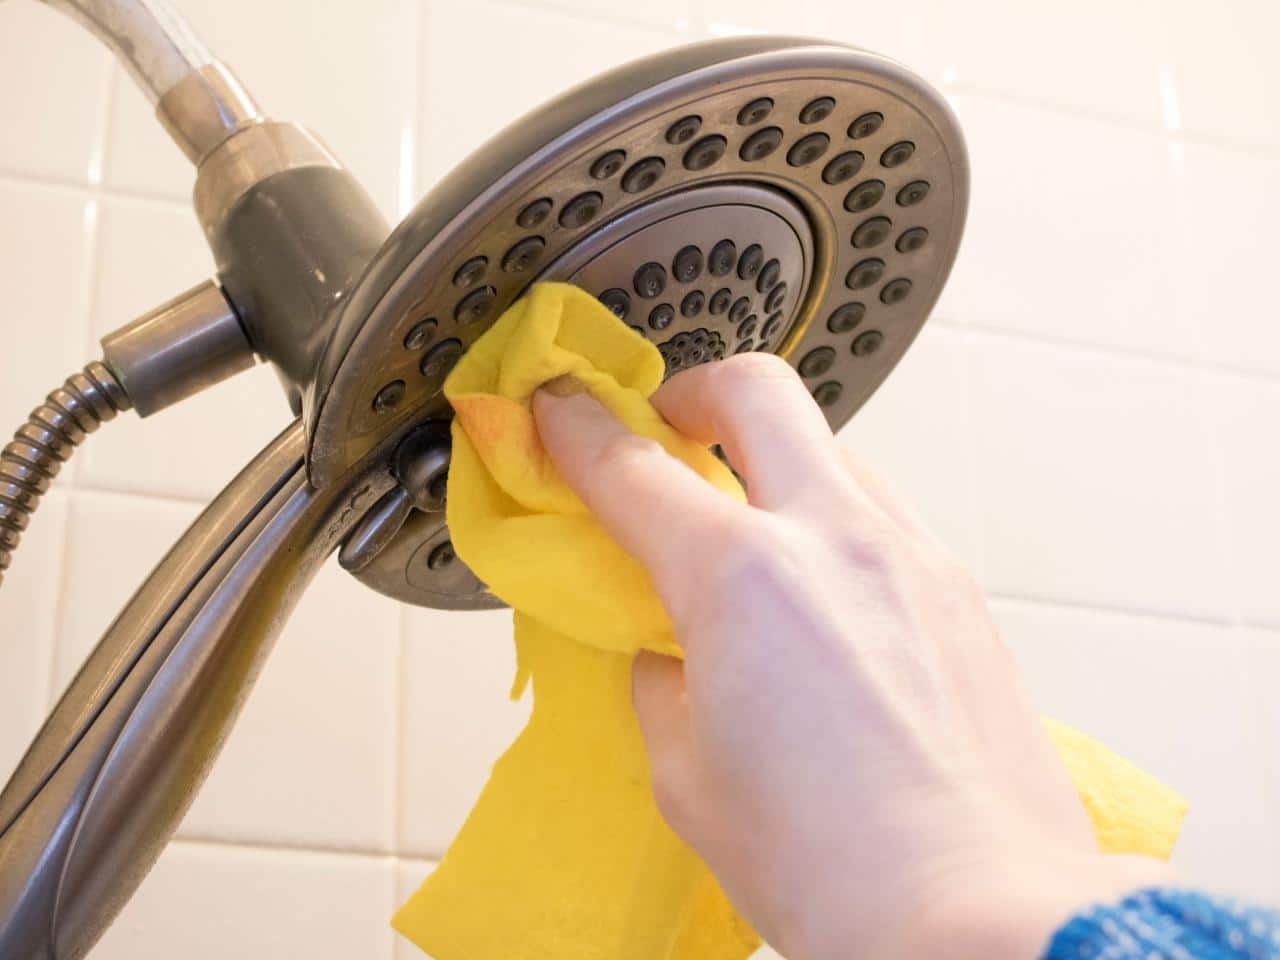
(637, 491)
(758, 410)
(657, 692)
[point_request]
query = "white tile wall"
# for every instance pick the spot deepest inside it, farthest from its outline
(486, 63)
(1173, 697)
(457, 671)
(1096, 480)
(1091, 426)
(209, 902)
(927, 400)
(59, 133)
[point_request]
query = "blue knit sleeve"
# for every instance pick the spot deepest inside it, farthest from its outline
(1160, 924)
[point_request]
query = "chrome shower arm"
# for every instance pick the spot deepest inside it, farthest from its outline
(197, 99)
(148, 37)
(114, 768)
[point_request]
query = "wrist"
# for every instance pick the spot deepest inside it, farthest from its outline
(1002, 908)
(1011, 912)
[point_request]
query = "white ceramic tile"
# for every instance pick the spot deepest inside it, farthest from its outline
(343, 70)
(150, 252)
(311, 761)
(1263, 656)
(669, 14)
(1170, 697)
(409, 876)
(28, 616)
(1095, 480)
(43, 262)
(53, 78)
(916, 431)
(459, 114)
(909, 32)
(113, 542)
(1225, 68)
(1071, 231)
(1229, 203)
(205, 902)
(193, 449)
(1034, 52)
(1244, 418)
(457, 669)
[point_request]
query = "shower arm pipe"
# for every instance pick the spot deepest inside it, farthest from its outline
(197, 99)
(115, 766)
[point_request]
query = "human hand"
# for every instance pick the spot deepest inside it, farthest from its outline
(847, 743)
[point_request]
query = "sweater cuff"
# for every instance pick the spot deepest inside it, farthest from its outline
(1172, 925)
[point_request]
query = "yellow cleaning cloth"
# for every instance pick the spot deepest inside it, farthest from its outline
(565, 855)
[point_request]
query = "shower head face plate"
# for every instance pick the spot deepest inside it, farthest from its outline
(823, 187)
(703, 273)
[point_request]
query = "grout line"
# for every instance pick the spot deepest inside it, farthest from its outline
(86, 283)
(1155, 128)
(974, 526)
(1223, 532)
(101, 135)
(90, 190)
(598, 16)
(398, 738)
(1261, 626)
(86, 297)
(1171, 361)
(52, 689)
(279, 846)
(1082, 606)
(154, 497)
(408, 186)
(284, 846)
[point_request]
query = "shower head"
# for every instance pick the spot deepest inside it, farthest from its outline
(785, 195)
(775, 194)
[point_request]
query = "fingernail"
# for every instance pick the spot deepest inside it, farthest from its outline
(565, 385)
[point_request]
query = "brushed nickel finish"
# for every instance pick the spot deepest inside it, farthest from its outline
(150, 40)
(178, 349)
(204, 108)
(247, 158)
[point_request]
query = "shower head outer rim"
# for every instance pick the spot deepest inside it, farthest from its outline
(476, 189)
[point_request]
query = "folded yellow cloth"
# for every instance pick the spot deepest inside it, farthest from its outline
(565, 855)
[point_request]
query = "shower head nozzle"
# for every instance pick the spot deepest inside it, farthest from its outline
(763, 193)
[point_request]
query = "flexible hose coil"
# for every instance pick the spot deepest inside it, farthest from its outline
(40, 447)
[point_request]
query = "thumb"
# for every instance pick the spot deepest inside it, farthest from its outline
(657, 692)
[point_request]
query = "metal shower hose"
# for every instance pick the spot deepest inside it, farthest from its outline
(29, 462)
